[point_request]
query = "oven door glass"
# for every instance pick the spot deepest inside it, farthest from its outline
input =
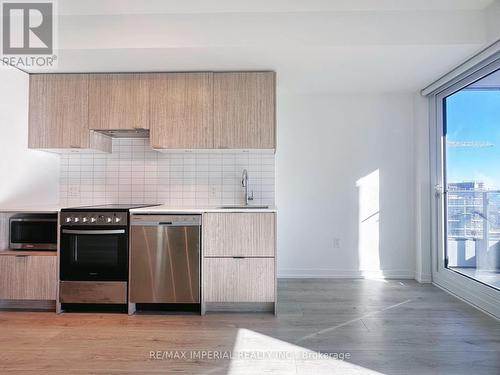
(94, 254)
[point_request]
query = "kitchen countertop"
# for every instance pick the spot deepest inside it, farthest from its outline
(8, 252)
(42, 209)
(165, 209)
(162, 209)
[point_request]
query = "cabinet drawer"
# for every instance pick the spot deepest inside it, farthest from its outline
(239, 280)
(93, 292)
(28, 277)
(239, 234)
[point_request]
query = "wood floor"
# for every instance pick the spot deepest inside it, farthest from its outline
(385, 327)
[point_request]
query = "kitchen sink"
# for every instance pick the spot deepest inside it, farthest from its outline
(244, 207)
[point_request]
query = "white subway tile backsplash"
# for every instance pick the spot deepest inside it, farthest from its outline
(135, 173)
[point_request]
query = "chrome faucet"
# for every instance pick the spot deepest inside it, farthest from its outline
(244, 183)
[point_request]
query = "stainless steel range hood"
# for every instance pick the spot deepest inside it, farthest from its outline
(135, 133)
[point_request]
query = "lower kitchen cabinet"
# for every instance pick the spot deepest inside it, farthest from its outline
(239, 260)
(244, 234)
(27, 276)
(239, 279)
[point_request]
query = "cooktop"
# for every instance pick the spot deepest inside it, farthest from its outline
(109, 207)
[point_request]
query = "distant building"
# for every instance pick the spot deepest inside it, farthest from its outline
(465, 210)
(466, 186)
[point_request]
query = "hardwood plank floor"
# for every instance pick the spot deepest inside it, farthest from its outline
(386, 327)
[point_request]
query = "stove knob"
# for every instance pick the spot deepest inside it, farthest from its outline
(76, 220)
(117, 219)
(85, 219)
(109, 220)
(68, 220)
(93, 220)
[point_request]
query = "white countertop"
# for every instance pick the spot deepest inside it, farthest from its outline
(165, 209)
(162, 209)
(42, 209)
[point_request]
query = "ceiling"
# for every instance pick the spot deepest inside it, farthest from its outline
(78, 7)
(315, 46)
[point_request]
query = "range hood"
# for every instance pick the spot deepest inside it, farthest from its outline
(135, 133)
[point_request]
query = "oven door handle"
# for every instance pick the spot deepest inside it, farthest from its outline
(115, 231)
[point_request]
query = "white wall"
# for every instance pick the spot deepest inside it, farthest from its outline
(28, 176)
(492, 14)
(345, 185)
(423, 193)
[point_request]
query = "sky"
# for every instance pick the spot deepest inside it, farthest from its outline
(474, 115)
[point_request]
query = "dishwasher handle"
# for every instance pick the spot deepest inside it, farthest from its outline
(169, 220)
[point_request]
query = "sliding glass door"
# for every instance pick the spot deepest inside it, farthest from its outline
(467, 188)
(472, 178)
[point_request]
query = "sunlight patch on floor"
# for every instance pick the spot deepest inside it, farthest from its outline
(255, 353)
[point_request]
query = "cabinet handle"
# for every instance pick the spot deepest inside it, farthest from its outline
(21, 256)
(238, 257)
(73, 146)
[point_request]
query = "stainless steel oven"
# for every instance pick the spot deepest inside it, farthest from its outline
(94, 253)
(33, 232)
(94, 246)
(94, 257)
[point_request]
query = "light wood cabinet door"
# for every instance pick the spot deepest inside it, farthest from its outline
(239, 280)
(28, 277)
(41, 281)
(58, 111)
(244, 110)
(181, 110)
(118, 101)
(12, 276)
(239, 234)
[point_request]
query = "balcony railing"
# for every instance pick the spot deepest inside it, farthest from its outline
(473, 214)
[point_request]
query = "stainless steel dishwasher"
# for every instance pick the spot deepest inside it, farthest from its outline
(165, 259)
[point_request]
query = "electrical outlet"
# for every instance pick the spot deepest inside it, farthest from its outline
(74, 191)
(336, 243)
(213, 192)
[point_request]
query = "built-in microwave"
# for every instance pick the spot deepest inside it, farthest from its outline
(33, 232)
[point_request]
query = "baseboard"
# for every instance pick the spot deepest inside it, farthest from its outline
(28, 305)
(299, 273)
(240, 307)
(423, 278)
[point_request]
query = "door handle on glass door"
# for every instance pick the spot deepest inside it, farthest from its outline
(440, 190)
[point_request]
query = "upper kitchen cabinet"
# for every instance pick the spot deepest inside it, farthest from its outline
(181, 110)
(58, 111)
(244, 110)
(118, 101)
(58, 114)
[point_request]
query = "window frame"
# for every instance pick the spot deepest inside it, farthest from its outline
(481, 295)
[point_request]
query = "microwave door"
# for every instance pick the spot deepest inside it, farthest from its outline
(33, 233)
